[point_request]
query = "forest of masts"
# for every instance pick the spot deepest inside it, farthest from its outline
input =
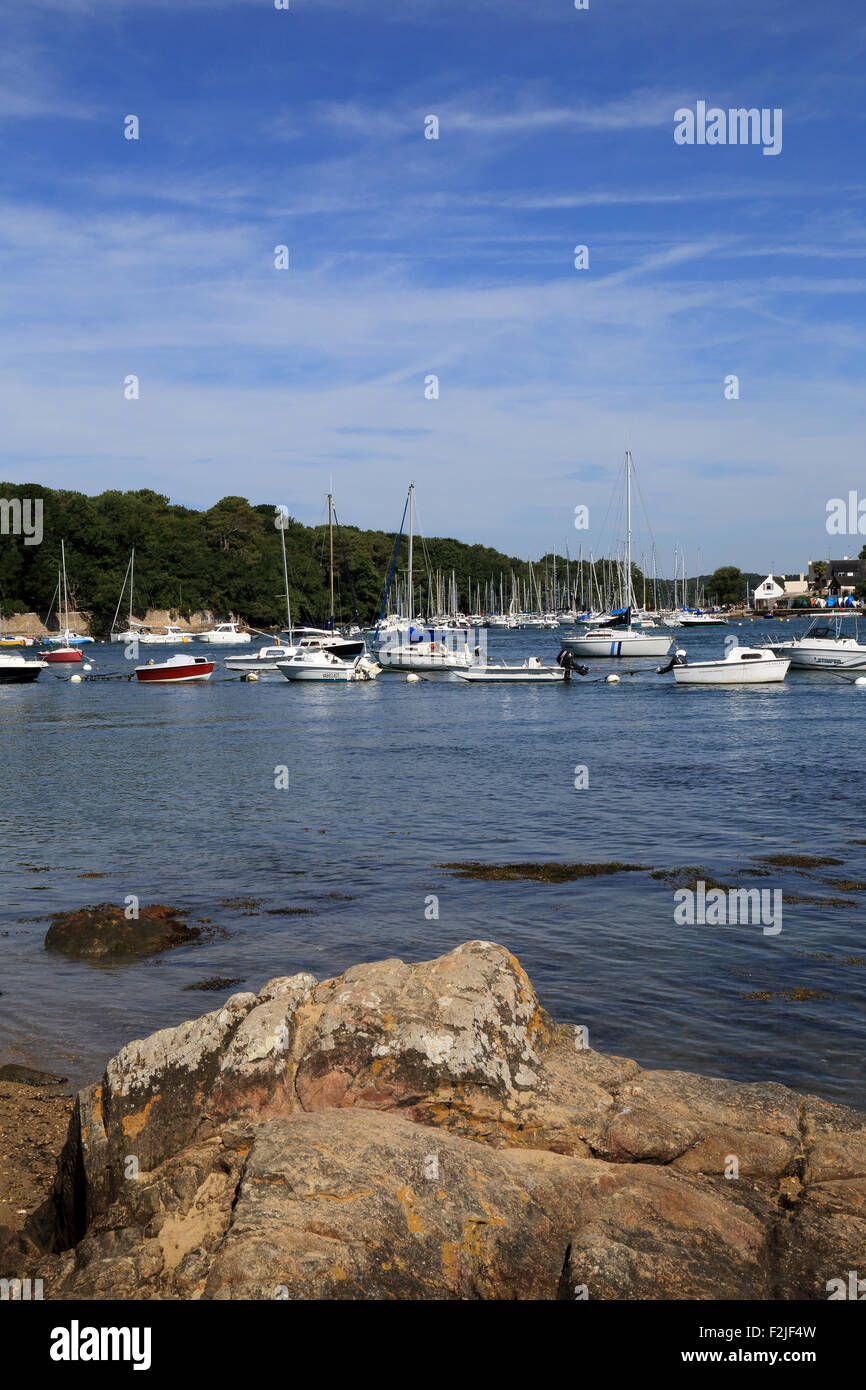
(553, 586)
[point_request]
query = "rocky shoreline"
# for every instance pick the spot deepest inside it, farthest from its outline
(429, 1132)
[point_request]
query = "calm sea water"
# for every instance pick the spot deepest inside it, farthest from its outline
(169, 794)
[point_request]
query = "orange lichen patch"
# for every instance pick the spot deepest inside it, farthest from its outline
(338, 1272)
(416, 1224)
(457, 1256)
(97, 1105)
(132, 1125)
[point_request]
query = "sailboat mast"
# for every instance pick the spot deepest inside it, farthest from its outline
(628, 599)
(411, 538)
(65, 590)
(283, 520)
(131, 578)
(331, 547)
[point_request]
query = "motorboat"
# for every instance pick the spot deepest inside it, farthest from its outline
(428, 656)
(316, 664)
(329, 640)
(529, 672)
(686, 619)
(823, 646)
(173, 636)
(741, 666)
(226, 635)
(176, 670)
(266, 661)
(9, 639)
(16, 669)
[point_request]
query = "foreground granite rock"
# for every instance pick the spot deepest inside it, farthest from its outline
(427, 1131)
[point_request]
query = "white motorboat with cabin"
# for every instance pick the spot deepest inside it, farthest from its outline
(172, 637)
(266, 661)
(824, 646)
(329, 639)
(16, 669)
(226, 635)
(318, 665)
(694, 620)
(436, 653)
(741, 666)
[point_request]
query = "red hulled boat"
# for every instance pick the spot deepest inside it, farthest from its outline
(62, 654)
(176, 670)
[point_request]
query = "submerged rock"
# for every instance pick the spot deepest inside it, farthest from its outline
(27, 1076)
(104, 931)
(427, 1131)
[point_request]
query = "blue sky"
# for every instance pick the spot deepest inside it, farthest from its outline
(455, 257)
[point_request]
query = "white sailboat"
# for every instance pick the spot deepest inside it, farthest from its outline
(268, 660)
(65, 644)
(134, 629)
(620, 639)
(432, 648)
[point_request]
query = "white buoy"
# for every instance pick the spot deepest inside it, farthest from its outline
(75, 680)
(412, 677)
(251, 676)
(861, 680)
(611, 680)
(86, 667)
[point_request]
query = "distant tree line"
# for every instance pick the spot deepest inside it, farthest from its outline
(227, 560)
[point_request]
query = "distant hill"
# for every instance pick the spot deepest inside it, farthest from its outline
(227, 559)
(224, 559)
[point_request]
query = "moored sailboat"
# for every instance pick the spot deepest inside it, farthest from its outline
(65, 644)
(620, 637)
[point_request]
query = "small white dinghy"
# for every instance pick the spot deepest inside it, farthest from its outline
(741, 666)
(530, 671)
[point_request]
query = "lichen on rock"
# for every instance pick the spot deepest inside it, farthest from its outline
(427, 1131)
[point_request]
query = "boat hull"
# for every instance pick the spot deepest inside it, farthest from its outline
(404, 659)
(611, 645)
(177, 672)
(61, 655)
(316, 673)
(512, 675)
(828, 657)
(21, 675)
(225, 639)
(728, 673)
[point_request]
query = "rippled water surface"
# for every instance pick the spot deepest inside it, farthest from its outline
(169, 794)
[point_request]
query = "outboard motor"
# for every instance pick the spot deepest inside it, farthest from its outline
(565, 658)
(678, 659)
